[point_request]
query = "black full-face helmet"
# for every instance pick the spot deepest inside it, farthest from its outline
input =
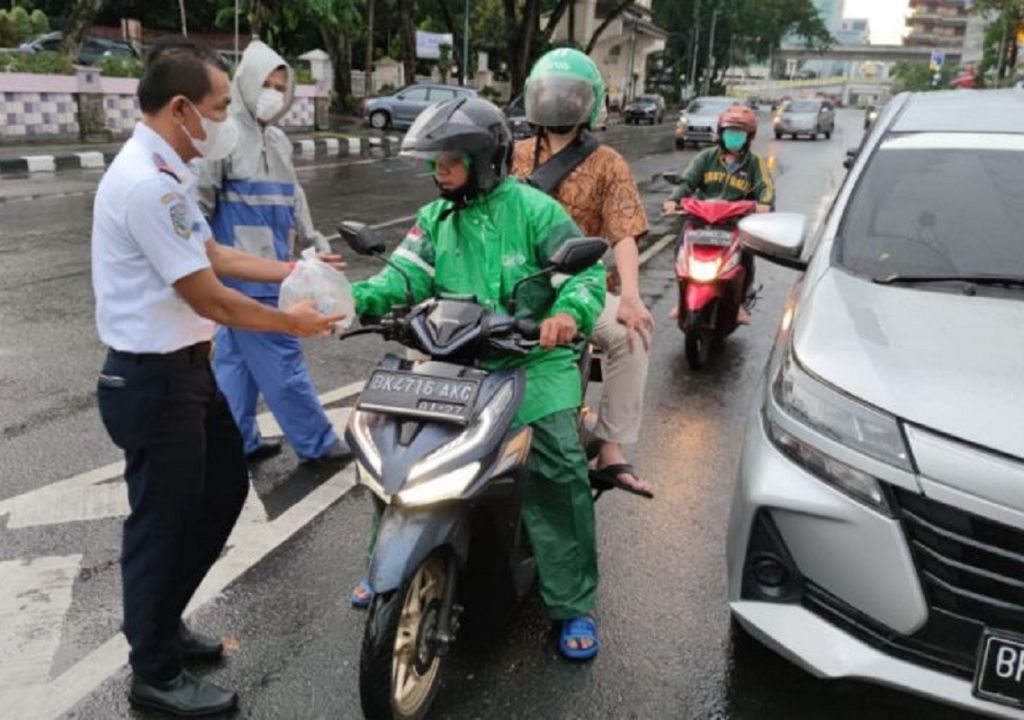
(472, 127)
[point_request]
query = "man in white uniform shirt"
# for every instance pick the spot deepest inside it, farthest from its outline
(155, 268)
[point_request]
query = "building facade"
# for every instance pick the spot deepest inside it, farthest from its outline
(937, 23)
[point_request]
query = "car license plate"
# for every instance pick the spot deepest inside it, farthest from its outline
(422, 396)
(1000, 672)
(717, 238)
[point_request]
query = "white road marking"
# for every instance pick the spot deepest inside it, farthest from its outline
(252, 540)
(346, 163)
(90, 495)
(654, 249)
(34, 597)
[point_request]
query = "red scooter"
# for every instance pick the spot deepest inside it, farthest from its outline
(711, 273)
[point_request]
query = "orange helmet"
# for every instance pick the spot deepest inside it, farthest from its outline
(740, 117)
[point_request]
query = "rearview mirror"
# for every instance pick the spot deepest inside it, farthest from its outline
(777, 237)
(361, 238)
(851, 158)
(577, 254)
(672, 178)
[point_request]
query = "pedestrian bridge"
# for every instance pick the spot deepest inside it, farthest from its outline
(864, 53)
(851, 90)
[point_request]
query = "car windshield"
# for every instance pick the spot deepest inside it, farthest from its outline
(646, 99)
(707, 107)
(937, 212)
(802, 106)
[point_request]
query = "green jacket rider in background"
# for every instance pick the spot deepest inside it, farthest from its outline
(485, 233)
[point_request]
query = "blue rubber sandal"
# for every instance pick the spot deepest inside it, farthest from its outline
(580, 628)
(362, 601)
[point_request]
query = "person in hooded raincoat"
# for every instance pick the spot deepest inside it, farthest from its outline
(255, 204)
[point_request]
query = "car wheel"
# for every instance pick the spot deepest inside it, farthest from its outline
(828, 135)
(778, 136)
(379, 119)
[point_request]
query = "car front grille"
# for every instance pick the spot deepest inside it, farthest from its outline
(700, 128)
(972, 572)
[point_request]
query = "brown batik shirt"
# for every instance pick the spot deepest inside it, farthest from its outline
(600, 193)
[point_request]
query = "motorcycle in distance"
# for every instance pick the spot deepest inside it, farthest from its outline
(709, 271)
(434, 442)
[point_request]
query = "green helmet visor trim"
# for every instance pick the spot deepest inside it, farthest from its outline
(448, 158)
(559, 100)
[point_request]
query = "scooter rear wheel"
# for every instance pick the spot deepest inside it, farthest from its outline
(399, 666)
(698, 348)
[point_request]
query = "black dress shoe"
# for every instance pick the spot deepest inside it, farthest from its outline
(338, 452)
(196, 646)
(269, 447)
(185, 696)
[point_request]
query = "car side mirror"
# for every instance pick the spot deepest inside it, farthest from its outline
(578, 254)
(777, 237)
(361, 238)
(672, 178)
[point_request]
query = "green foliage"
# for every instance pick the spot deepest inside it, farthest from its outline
(121, 67)
(493, 94)
(918, 77)
(386, 89)
(17, 26)
(43, 63)
(39, 22)
(303, 76)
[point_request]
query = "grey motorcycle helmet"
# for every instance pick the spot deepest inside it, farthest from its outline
(471, 126)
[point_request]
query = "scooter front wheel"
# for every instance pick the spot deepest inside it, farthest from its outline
(698, 348)
(400, 666)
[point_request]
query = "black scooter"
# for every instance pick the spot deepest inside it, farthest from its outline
(433, 441)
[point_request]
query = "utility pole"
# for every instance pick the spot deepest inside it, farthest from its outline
(694, 48)
(632, 60)
(184, 24)
(464, 65)
(236, 31)
(711, 53)
(368, 71)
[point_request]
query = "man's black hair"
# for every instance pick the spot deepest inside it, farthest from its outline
(176, 66)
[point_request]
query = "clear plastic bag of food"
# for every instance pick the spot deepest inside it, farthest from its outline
(313, 279)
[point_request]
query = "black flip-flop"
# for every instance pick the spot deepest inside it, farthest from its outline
(607, 478)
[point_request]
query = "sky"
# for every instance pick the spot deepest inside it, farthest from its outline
(887, 18)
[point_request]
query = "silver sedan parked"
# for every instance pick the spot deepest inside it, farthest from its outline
(877, 527)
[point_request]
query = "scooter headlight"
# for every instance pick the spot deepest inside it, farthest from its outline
(704, 270)
(445, 487)
(466, 440)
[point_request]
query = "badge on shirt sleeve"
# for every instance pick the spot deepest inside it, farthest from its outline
(179, 219)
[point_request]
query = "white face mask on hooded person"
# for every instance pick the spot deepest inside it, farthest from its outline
(269, 104)
(221, 137)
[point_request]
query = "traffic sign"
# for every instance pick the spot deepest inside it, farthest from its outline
(938, 58)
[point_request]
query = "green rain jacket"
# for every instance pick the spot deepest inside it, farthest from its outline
(710, 179)
(481, 251)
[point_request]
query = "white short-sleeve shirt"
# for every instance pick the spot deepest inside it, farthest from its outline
(147, 234)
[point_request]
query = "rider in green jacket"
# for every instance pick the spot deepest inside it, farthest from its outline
(485, 233)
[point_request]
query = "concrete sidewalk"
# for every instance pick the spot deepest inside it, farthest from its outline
(27, 159)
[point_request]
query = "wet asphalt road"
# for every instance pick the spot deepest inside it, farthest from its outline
(668, 651)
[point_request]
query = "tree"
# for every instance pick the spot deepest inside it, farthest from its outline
(407, 33)
(80, 17)
(1001, 47)
(918, 77)
(368, 65)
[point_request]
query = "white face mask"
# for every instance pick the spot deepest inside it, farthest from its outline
(269, 104)
(221, 137)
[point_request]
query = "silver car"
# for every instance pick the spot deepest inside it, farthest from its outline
(699, 123)
(402, 108)
(877, 528)
(805, 117)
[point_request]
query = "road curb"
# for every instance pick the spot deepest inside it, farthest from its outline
(335, 146)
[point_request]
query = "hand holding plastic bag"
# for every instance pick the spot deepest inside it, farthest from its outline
(313, 279)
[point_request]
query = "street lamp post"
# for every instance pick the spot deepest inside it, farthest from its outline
(465, 45)
(236, 30)
(711, 53)
(694, 49)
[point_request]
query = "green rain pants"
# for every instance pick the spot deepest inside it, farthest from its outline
(559, 517)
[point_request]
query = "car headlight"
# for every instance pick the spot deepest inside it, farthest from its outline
(813, 404)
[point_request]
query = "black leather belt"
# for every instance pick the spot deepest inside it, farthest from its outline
(198, 353)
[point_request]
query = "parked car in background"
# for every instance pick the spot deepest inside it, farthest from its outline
(515, 111)
(805, 117)
(90, 52)
(698, 124)
(644, 109)
(877, 527)
(401, 109)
